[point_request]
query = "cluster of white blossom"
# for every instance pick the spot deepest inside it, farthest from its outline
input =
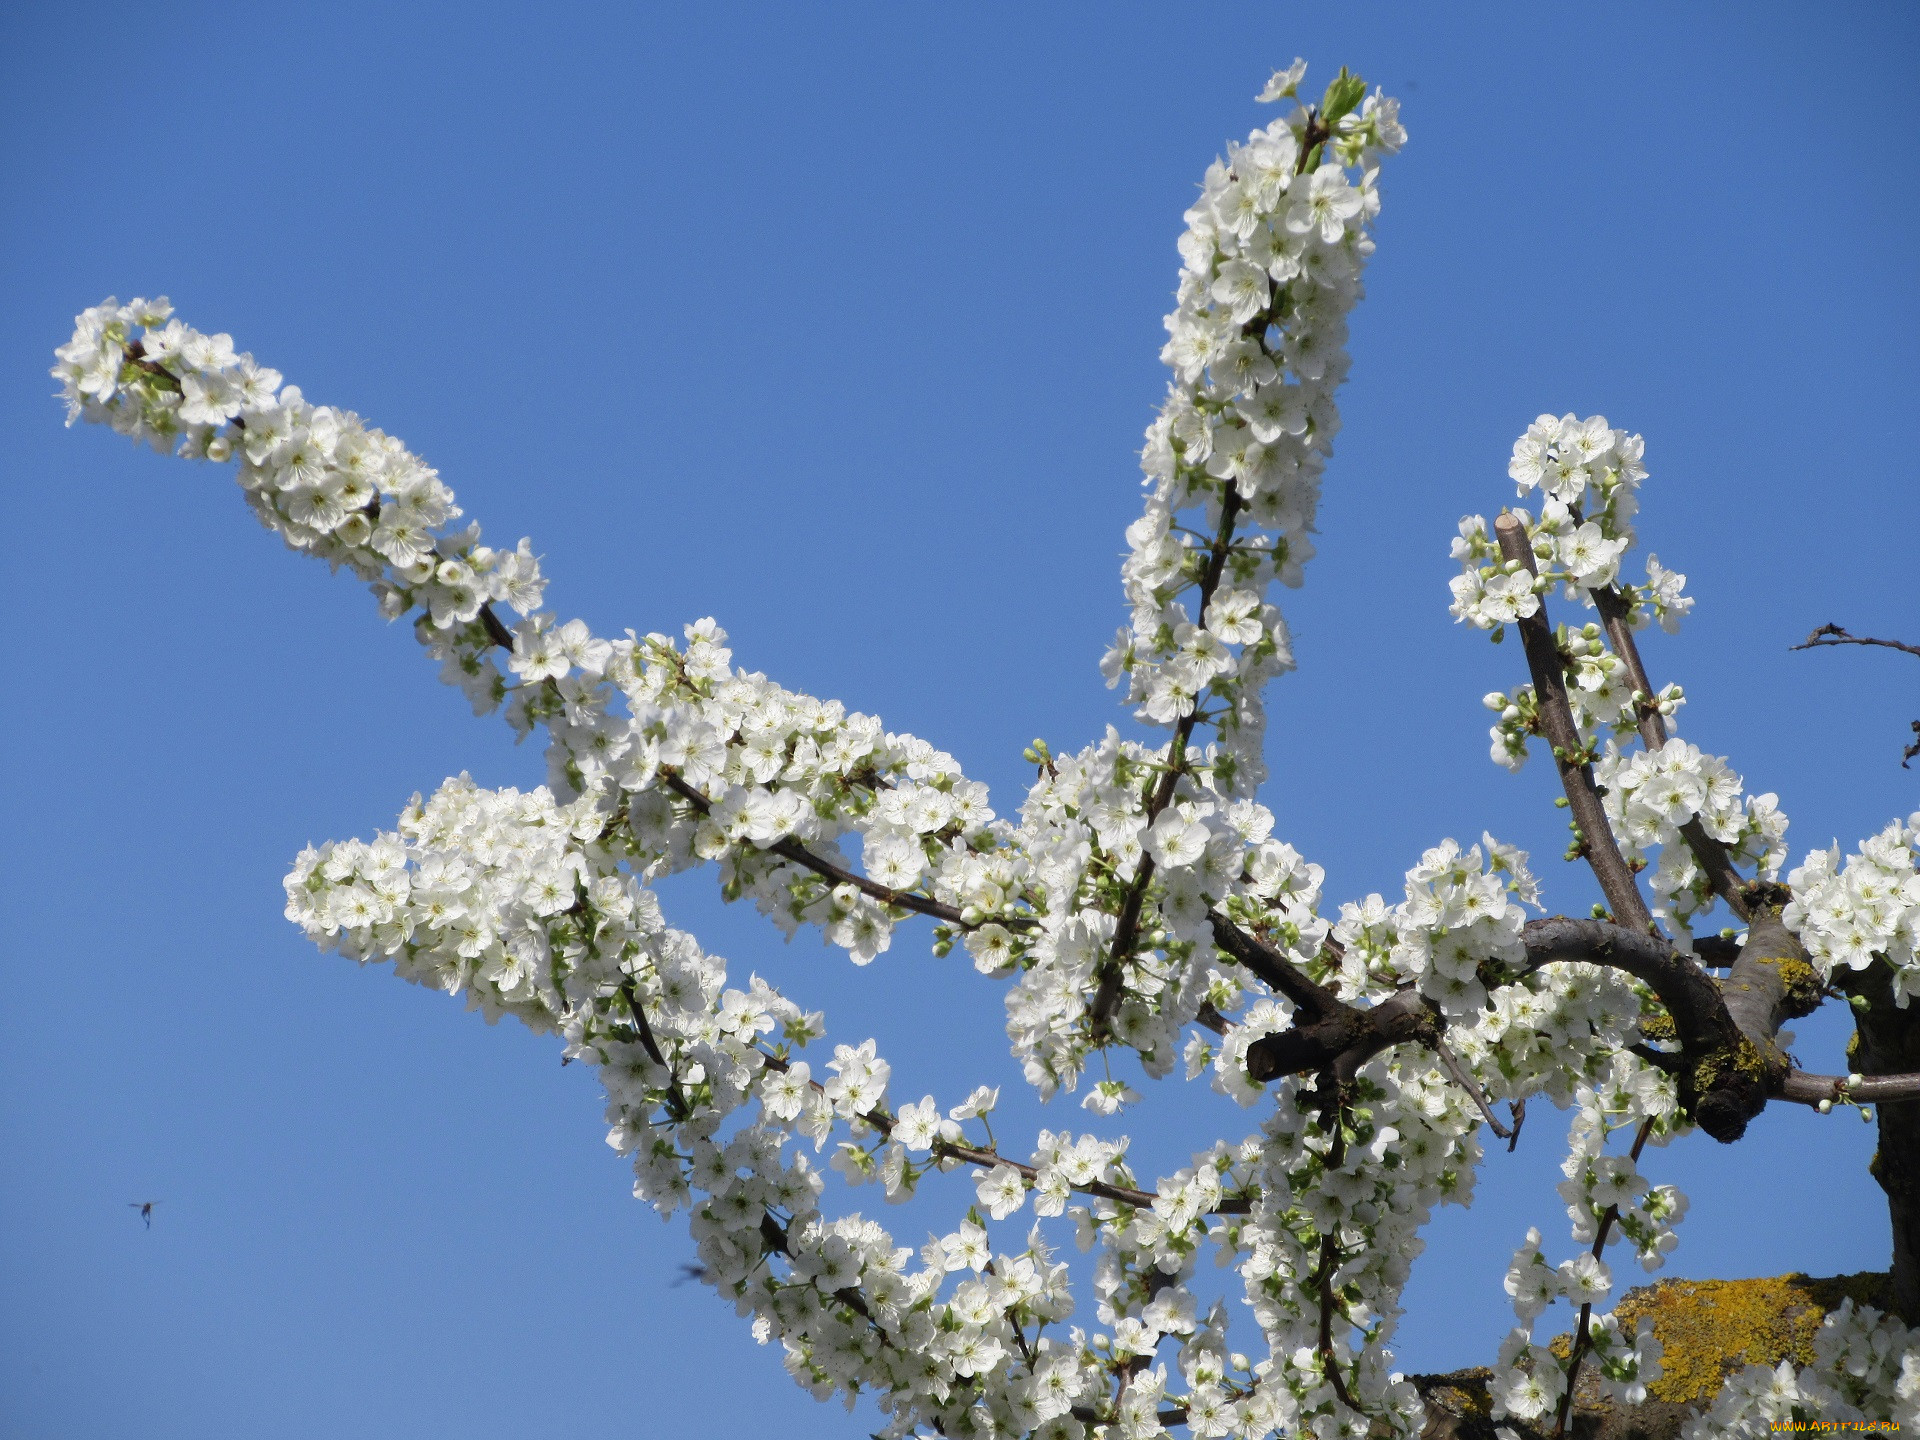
(314, 475)
(1099, 907)
(1607, 1199)
(1650, 794)
(1588, 475)
(1272, 258)
(1865, 1373)
(518, 901)
(1457, 930)
(1847, 914)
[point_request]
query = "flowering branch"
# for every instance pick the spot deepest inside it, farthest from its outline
(791, 849)
(989, 1158)
(1136, 894)
(1582, 1334)
(1712, 855)
(1160, 793)
(1570, 757)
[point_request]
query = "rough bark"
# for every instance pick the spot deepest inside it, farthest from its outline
(1708, 1328)
(1887, 1042)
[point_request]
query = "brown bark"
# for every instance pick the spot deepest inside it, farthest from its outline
(1887, 1042)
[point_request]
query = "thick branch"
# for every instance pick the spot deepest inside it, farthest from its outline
(1569, 753)
(1885, 1051)
(1725, 1076)
(1772, 981)
(1327, 1032)
(1699, 1012)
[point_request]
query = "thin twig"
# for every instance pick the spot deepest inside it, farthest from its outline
(1830, 635)
(1466, 1082)
(1833, 635)
(1518, 1109)
(652, 1047)
(1106, 996)
(1583, 1335)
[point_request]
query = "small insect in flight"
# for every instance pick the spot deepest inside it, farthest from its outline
(145, 1207)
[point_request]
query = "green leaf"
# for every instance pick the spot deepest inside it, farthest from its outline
(1344, 94)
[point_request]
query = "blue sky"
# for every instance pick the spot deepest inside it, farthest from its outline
(838, 323)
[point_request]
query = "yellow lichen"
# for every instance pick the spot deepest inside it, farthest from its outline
(1710, 1328)
(1800, 981)
(1739, 1057)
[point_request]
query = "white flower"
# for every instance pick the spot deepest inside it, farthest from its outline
(1002, 1190)
(1285, 83)
(980, 1102)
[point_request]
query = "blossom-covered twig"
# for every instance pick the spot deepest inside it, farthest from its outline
(1616, 619)
(1597, 843)
(1582, 1333)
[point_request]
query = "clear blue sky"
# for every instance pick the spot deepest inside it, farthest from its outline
(838, 323)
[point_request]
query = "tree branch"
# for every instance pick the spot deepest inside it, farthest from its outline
(1830, 635)
(883, 1121)
(1712, 856)
(1805, 1089)
(1726, 1074)
(1106, 996)
(1583, 1334)
(1569, 753)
